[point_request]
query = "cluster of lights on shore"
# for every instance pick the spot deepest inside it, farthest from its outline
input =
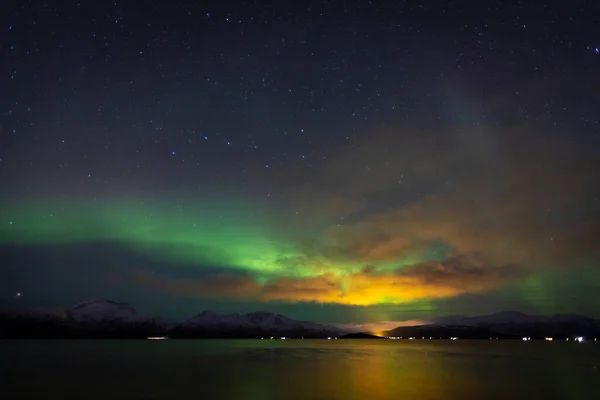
(285, 338)
(578, 339)
(271, 338)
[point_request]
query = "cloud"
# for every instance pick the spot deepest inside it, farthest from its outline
(403, 216)
(511, 195)
(420, 213)
(457, 275)
(473, 273)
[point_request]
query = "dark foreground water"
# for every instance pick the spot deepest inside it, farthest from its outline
(298, 369)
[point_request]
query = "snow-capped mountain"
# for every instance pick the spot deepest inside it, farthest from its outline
(110, 319)
(506, 323)
(106, 318)
(512, 318)
(259, 319)
(257, 324)
(96, 318)
(504, 317)
(97, 311)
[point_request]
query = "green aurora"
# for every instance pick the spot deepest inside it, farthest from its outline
(198, 237)
(201, 235)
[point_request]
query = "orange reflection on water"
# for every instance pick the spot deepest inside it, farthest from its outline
(302, 369)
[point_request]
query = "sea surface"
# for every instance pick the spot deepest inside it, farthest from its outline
(298, 369)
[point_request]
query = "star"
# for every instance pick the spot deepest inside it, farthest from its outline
(481, 149)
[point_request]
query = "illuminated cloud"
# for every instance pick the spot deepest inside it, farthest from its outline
(399, 218)
(505, 195)
(457, 275)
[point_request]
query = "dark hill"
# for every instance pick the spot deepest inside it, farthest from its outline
(108, 319)
(360, 335)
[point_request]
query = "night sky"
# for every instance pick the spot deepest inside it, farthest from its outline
(339, 161)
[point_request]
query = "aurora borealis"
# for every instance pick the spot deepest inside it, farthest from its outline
(351, 164)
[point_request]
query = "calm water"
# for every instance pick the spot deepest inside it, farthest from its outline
(298, 369)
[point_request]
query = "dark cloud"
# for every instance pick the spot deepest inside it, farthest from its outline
(489, 196)
(457, 275)
(472, 273)
(505, 193)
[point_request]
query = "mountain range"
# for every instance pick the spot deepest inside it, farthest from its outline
(109, 319)
(504, 325)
